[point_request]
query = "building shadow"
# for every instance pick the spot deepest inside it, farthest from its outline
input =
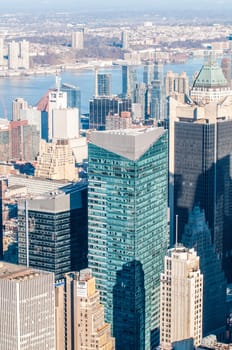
(129, 307)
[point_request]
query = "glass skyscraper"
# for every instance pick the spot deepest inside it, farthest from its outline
(53, 230)
(127, 203)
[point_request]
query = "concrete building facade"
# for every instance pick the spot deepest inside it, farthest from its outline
(27, 302)
(53, 230)
(85, 327)
(181, 298)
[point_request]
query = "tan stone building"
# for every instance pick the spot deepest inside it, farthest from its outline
(85, 328)
(56, 161)
(181, 292)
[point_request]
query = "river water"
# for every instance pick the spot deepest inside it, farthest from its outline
(32, 88)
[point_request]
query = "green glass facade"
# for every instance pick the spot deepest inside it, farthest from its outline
(127, 203)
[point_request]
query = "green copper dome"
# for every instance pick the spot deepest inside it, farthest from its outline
(210, 76)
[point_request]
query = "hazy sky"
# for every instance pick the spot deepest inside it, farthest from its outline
(12, 5)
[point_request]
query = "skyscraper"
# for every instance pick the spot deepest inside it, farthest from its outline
(210, 84)
(103, 84)
(17, 105)
(56, 234)
(148, 73)
(78, 39)
(158, 101)
(125, 40)
(181, 301)
(84, 325)
(56, 161)
(128, 229)
(197, 235)
(129, 79)
(65, 123)
(56, 100)
(18, 55)
(200, 160)
(73, 95)
(100, 107)
(27, 302)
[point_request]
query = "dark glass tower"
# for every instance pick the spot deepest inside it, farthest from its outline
(104, 84)
(200, 173)
(100, 107)
(127, 203)
(57, 231)
(197, 235)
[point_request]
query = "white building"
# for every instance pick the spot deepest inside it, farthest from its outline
(27, 305)
(18, 55)
(181, 294)
(65, 123)
(56, 100)
(32, 115)
(18, 104)
(78, 39)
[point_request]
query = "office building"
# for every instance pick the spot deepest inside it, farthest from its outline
(116, 121)
(103, 84)
(33, 116)
(78, 39)
(125, 40)
(18, 55)
(127, 204)
(18, 140)
(24, 60)
(148, 73)
(129, 79)
(200, 168)
(56, 100)
(17, 105)
(73, 95)
(181, 298)
(210, 84)
(27, 303)
(85, 327)
(176, 85)
(65, 123)
(139, 98)
(56, 161)
(35, 185)
(56, 230)
(100, 107)
(24, 141)
(159, 72)
(158, 101)
(197, 235)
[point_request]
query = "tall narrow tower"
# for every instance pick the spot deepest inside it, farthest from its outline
(127, 203)
(181, 298)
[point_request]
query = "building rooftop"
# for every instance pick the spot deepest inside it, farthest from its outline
(18, 272)
(128, 143)
(211, 76)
